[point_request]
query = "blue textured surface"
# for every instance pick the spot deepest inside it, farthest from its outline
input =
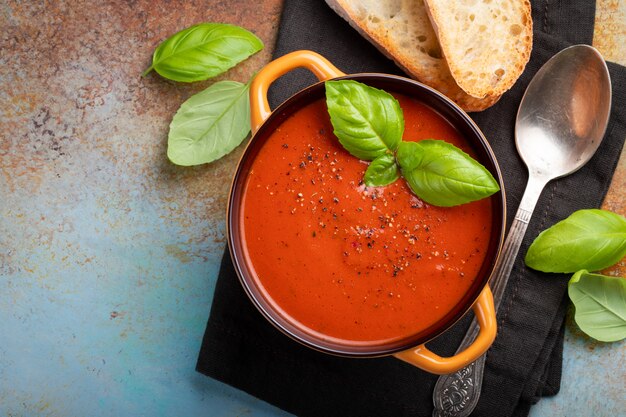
(108, 254)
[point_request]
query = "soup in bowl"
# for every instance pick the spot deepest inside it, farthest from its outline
(349, 269)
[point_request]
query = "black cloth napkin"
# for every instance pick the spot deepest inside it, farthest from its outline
(242, 349)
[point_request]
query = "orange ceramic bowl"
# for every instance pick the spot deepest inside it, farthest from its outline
(408, 347)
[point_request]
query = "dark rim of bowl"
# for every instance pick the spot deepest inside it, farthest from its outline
(454, 115)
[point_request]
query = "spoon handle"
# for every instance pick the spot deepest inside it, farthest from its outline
(457, 394)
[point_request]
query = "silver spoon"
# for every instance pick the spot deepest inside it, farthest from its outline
(560, 124)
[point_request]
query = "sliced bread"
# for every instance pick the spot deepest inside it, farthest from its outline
(401, 29)
(486, 43)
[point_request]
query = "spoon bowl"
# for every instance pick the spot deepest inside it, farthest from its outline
(564, 113)
(560, 123)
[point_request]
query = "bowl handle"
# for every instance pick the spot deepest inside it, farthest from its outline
(423, 358)
(317, 64)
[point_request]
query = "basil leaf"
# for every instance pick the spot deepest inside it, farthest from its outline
(209, 124)
(442, 174)
(367, 121)
(203, 51)
(382, 171)
(600, 303)
(589, 239)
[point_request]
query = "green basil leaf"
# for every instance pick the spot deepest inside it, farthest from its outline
(442, 174)
(382, 171)
(367, 121)
(210, 124)
(203, 51)
(600, 303)
(589, 239)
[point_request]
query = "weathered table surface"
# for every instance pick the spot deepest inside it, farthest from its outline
(109, 253)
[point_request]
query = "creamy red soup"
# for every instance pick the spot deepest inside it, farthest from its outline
(350, 262)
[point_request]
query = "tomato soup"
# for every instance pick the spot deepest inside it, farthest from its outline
(348, 262)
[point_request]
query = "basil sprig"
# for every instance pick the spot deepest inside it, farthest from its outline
(369, 124)
(589, 239)
(210, 124)
(600, 303)
(203, 51)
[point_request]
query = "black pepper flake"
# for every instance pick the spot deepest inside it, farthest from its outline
(314, 234)
(335, 200)
(322, 131)
(302, 164)
(285, 145)
(418, 255)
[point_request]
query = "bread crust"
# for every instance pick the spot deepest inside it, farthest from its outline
(413, 47)
(486, 43)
